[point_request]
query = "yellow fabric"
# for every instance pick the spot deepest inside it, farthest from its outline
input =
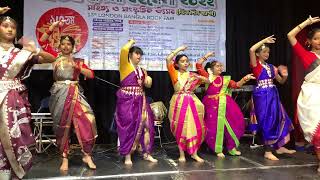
(189, 129)
(125, 66)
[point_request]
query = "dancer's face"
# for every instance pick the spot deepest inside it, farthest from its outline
(8, 30)
(66, 47)
(217, 68)
(135, 58)
(315, 41)
(183, 63)
(263, 54)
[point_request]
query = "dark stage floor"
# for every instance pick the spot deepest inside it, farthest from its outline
(251, 165)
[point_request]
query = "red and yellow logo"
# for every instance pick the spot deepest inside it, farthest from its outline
(74, 26)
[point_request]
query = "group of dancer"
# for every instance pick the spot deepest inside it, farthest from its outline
(217, 120)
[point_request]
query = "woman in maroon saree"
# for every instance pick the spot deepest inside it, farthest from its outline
(16, 138)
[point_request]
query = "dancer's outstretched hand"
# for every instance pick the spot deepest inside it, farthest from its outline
(313, 20)
(270, 39)
(283, 70)
(4, 9)
(249, 77)
(28, 44)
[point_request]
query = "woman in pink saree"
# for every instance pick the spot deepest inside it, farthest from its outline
(186, 111)
(223, 117)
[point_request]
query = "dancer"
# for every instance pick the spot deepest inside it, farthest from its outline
(16, 138)
(67, 104)
(186, 111)
(273, 121)
(135, 121)
(223, 117)
(308, 103)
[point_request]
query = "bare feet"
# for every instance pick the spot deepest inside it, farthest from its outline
(64, 165)
(270, 156)
(221, 155)
(234, 152)
(148, 157)
(197, 158)
(182, 159)
(318, 168)
(88, 160)
(127, 160)
(284, 150)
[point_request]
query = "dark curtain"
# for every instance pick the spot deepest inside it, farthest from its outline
(248, 21)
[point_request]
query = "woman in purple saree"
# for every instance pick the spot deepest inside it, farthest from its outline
(135, 121)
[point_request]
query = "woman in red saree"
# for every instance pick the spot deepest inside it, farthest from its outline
(68, 105)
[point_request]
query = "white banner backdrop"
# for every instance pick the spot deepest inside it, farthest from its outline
(102, 27)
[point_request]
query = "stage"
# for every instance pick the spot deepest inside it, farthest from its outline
(251, 165)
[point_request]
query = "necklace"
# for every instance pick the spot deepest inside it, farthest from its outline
(6, 46)
(139, 73)
(267, 67)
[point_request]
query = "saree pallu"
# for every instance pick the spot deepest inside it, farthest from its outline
(309, 107)
(273, 120)
(135, 120)
(186, 115)
(68, 106)
(223, 118)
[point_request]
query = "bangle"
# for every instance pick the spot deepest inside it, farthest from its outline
(48, 32)
(37, 51)
(299, 27)
(204, 58)
(310, 21)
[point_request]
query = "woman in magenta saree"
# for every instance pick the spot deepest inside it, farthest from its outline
(135, 121)
(223, 117)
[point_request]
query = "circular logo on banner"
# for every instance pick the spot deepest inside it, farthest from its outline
(74, 26)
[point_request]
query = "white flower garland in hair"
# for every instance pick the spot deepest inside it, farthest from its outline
(211, 75)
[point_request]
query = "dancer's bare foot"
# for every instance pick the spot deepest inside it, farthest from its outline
(221, 155)
(283, 150)
(88, 160)
(64, 164)
(270, 156)
(234, 152)
(182, 159)
(318, 168)
(127, 160)
(197, 158)
(148, 157)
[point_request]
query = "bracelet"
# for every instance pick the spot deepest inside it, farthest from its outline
(310, 21)
(245, 79)
(204, 58)
(37, 51)
(299, 27)
(48, 32)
